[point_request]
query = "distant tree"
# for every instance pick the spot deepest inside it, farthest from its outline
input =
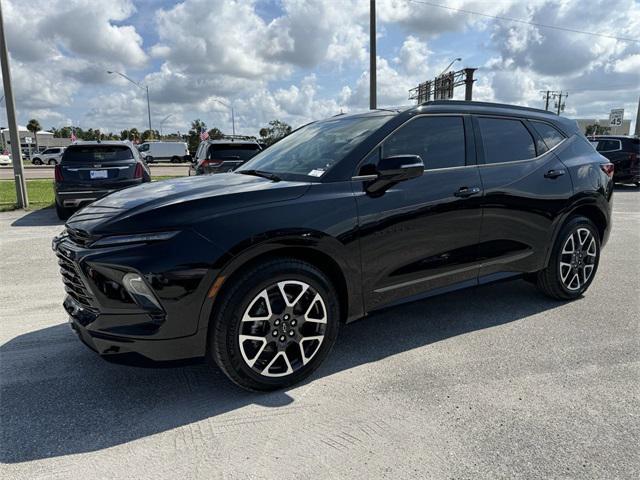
(193, 139)
(215, 133)
(135, 135)
(596, 129)
(64, 132)
(276, 130)
(124, 135)
(150, 135)
(34, 126)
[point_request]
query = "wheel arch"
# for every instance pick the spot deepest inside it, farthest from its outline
(588, 210)
(324, 259)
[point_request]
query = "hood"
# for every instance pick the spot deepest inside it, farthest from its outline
(177, 202)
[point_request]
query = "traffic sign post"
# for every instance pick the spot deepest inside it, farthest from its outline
(615, 119)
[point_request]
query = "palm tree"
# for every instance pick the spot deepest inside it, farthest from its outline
(34, 126)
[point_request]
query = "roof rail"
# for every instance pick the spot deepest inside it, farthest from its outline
(485, 104)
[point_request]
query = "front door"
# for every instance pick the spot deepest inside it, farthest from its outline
(421, 234)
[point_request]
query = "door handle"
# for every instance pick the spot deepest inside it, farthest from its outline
(554, 173)
(465, 192)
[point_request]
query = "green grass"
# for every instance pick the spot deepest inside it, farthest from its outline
(40, 193)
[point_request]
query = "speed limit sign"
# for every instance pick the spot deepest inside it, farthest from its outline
(615, 117)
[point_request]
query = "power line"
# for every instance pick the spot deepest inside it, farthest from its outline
(527, 22)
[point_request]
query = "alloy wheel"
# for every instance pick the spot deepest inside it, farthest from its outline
(578, 259)
(282, 329)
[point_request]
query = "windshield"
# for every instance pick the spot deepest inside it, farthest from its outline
(315, 148)
(92, 153)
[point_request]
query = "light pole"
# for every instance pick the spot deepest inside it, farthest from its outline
(449, 66)
(16, 153)
(162, 123)
(233, 118)
(141, 87)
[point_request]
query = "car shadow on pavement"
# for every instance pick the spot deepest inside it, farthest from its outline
(44, 217)
(58, 398)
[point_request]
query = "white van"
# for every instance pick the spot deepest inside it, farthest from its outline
(176, 152)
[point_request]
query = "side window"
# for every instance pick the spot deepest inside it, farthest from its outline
(438, 140)
(505, 140)
(550, 135)
(608, 145)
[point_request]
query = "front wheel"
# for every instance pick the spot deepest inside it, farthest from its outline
(274, 325)
(37, 161)
(574, 261)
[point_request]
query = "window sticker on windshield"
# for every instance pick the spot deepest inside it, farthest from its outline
(316, 172)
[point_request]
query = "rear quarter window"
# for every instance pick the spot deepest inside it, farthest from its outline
(550, 135)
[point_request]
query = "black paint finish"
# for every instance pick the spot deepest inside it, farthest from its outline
(449, 228)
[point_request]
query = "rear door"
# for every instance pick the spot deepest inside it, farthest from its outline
(98, 166)
(526, 187)
(421, 234)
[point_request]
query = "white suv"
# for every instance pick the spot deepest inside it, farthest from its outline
(51, 156)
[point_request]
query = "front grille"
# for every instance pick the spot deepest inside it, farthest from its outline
(79, 237)
(73, 284)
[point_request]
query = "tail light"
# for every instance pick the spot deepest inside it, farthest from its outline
(607, 168)
(139, 171)
(633, 159)
(57, 171)
(208, 162)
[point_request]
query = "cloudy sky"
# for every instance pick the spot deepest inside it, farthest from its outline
(298, 60)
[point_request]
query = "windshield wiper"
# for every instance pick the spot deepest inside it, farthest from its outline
(260, 173)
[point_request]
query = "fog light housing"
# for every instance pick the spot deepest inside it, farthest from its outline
(140, 292)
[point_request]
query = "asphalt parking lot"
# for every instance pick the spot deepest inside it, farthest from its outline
(494, 382)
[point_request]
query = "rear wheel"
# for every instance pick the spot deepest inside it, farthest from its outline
(175, 159)
(63, 212)
(275, 325)
(573, 262)
(52, 162)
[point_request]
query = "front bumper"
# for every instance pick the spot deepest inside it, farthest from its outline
(111, 322)
(81, 322)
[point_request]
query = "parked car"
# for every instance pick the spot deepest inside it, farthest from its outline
(50, 156)
(223, 155)
(256, 269)
(5, 159)
(624, 152)
(90, 170)
(176, 152)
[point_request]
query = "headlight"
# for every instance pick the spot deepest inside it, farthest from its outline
(138, 238)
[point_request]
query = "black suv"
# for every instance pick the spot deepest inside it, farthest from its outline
(623, 152)
(257, 268)
(90, 170)
(223, 155)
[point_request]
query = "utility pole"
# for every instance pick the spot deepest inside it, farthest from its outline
(547, 97)
(16, 151)
(468, 83)
(560, 102)
(372, 56)
(637, 129)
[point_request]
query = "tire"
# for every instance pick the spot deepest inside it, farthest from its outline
(276, 359)
(149, 159)
(63, 212)
(571, 278)
(175, 160)
(52, 162)
(37, 161)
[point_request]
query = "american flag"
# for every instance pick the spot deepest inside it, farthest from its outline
(73, 136)
(204, 135)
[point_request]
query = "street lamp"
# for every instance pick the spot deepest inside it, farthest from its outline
(162, 123)
(141, 87)
(233, 118)
(449, 66)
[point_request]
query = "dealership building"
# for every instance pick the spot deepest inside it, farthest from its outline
(28, 140)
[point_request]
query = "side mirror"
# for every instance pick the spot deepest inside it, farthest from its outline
(397, 168)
